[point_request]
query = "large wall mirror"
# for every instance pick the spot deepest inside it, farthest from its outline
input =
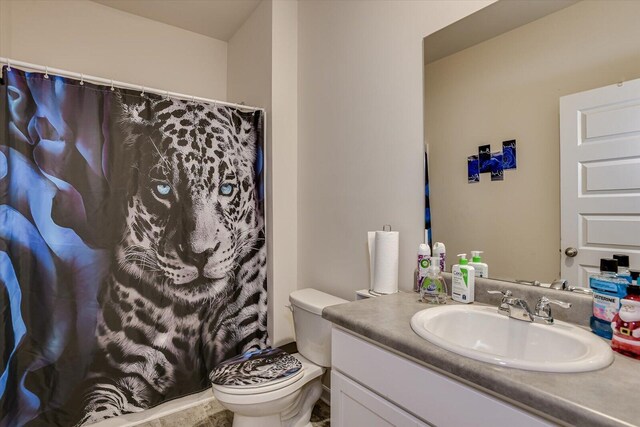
(498, 75)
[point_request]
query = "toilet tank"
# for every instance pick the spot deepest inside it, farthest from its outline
(313, 333)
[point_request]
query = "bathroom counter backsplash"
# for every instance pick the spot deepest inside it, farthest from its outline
(599, 397)
(581, 304)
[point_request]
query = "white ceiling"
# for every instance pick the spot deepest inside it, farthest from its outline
(214, 18)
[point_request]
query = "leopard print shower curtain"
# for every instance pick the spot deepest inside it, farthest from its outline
(132, 247)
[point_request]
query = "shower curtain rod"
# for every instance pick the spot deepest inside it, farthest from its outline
(107, 82)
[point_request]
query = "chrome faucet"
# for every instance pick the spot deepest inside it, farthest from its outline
(559, 284)
(543, 309)
(517, 308)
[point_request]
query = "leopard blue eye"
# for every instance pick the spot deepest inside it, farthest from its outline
(226, 189)
(163, 189)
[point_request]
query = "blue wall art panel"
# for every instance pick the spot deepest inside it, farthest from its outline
(484, 158)
(497, 172)
(132, 247)
(509, 154)
(494, 163)
(473, 169)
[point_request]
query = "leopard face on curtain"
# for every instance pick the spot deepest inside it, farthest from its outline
(132, 247)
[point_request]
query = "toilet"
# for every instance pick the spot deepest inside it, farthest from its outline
(288, 400)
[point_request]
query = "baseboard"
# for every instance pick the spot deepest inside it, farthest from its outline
(326, 395)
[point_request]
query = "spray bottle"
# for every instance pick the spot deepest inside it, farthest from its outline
(440, 252)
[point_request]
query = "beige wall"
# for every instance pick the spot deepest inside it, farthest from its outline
(90, 38)
(356, 68)
(509, 88)
(284, 164)
(249, 60)
(262, 71)
(360, 133)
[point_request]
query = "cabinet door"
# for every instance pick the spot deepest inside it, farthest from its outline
(353, 405)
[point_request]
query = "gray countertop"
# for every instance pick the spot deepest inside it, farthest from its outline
(606, 397)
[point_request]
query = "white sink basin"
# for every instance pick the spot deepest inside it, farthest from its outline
(481, 333)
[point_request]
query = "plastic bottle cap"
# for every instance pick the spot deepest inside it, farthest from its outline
(609, 264)
(633, 289)
(475, 256)
(623, 260)
(463, 259)
(438, 247)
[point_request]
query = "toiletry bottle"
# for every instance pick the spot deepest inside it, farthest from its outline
(482, 269)
(626, 324)
(607, 289)
(440, 252)
(424, 258)
(434, 288)
(635, 277)
(463, 281)
(623, 266)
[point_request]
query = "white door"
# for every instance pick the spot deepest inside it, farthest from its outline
(599, 178)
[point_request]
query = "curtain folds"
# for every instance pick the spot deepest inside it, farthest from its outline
(132, 247)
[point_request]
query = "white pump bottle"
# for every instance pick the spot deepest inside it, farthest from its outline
(481, 268)
(463, 281)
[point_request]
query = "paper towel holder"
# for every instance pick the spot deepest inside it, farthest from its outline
(387, 229)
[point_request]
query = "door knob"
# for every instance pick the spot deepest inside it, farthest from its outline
(571, 252)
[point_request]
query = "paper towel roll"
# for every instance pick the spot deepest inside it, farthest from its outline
(383, 256)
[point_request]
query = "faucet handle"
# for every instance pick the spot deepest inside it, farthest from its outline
(559, 284)
(543, 311)
(579, 289)
(528, 282)
(506, 293)
(556, 302)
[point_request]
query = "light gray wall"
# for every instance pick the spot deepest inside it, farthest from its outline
(360, 133)
(509, 88)
(89, 38)
(249, 60)
(263, 71)
(284, 164)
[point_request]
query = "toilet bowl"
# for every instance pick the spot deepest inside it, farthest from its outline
(288, 401)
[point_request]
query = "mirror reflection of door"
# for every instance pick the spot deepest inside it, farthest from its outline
(600, 177)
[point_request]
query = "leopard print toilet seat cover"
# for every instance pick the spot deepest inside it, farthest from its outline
(256, 368)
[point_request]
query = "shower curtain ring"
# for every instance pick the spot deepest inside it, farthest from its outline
(46, 72)
(142, 93)
(8, 64)
(167, 95)
(112, 89)
(81, 79)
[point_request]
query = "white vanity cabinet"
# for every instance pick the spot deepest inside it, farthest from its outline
(371, 387)
(355, 405)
